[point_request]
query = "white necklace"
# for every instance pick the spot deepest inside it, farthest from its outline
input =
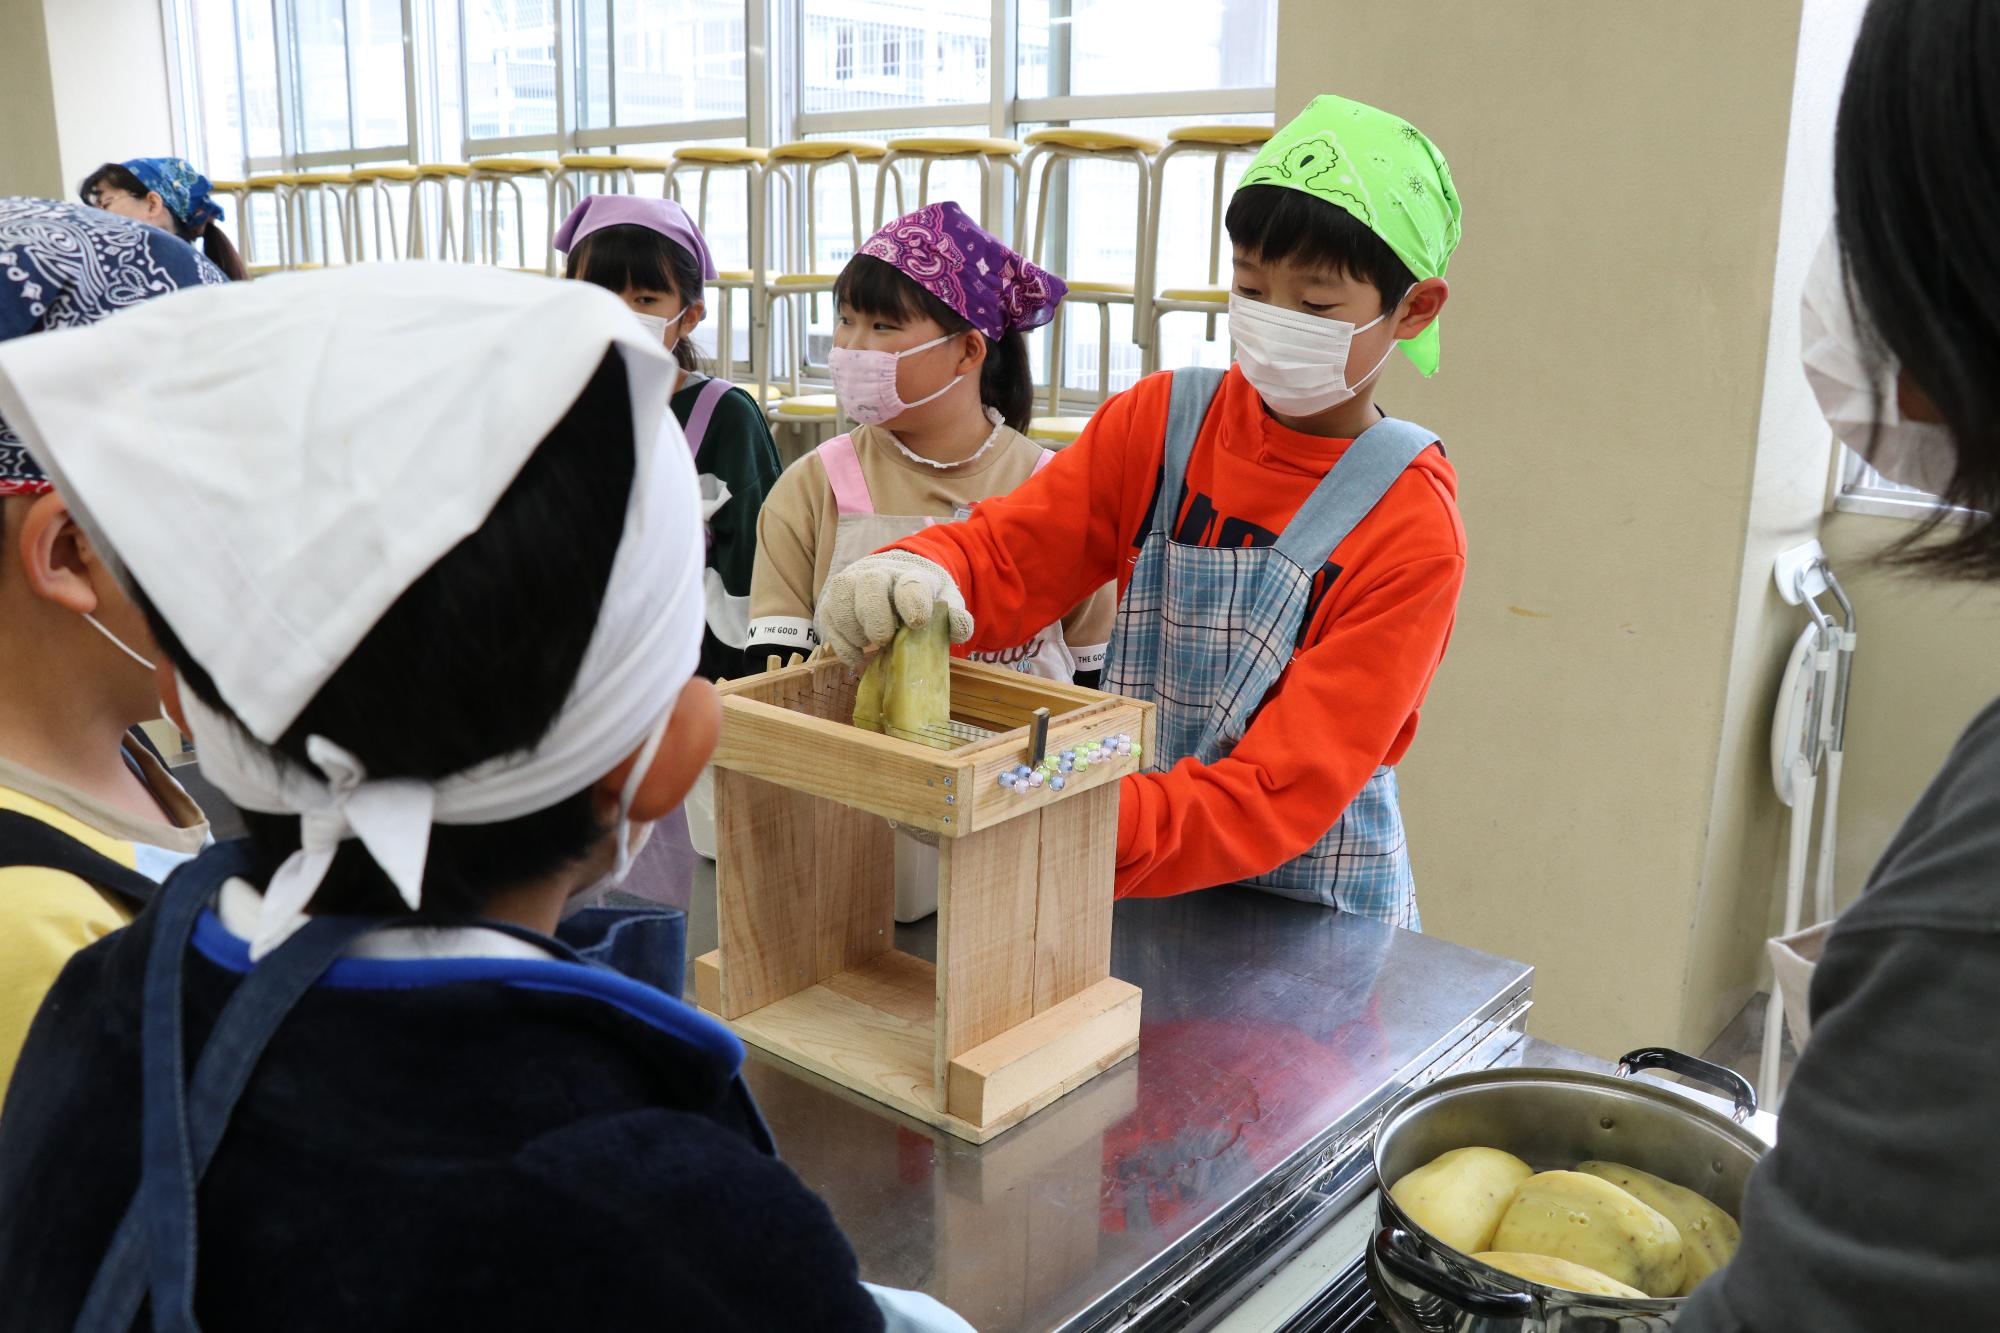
(999, 424)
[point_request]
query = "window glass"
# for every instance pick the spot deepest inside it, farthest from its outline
(1091, 235)
(380, 102)
(319, 34)
(1138, 46)
(679, 60)
(510, 68)
(890, 53)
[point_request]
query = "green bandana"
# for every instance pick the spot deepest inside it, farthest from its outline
(1381, 169)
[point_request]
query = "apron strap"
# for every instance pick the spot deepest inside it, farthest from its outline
(153, 1248)
(1351, 488)
(1042, 460)
(843, 473)
(27, 841)
(712, 392)
(1194, 389)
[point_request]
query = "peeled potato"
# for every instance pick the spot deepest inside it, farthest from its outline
(1460, 1196)
(1558, 1273)
(1589, 1221)
(1709, 1235)
(906, 689)
(868, 695)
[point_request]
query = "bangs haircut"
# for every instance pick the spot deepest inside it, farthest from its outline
(629, 257)
(1276, 224)
(871, 286)
(117, 177)
(878, 289)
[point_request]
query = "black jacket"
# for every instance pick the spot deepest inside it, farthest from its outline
(448, 1144)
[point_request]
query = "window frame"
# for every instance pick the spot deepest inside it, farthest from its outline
(774, 27)
(1855, 493)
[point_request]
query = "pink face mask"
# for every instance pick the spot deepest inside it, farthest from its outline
(865, 382)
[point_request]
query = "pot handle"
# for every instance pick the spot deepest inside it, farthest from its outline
(1396, 1251)
(1725, 1081)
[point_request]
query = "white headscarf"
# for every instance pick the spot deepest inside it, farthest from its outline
(276, 462)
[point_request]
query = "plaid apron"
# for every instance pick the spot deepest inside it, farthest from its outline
(1205, 632)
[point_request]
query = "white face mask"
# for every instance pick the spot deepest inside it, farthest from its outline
(1910, 453)
(629, 843)
(659, 326)
(865, 382)
(1297, 362)
(117, 642)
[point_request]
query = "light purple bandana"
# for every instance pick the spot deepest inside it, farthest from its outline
(598, 211)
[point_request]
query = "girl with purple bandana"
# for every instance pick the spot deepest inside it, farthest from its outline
(930, 360)
(650, 253)
(168, 193)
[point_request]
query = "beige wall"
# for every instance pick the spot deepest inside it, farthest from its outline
(1602, 396)
(1737, 907)
(82, 82)
(1927, 660)
(109, 59)
(30, 162)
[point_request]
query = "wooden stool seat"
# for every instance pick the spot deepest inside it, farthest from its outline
(713, 155)
(1093, 141)
(1221, 136)
(955, 146)
(611, 162)
(821, 150)
(513, 166)
(1218, 296)
(1056, 431)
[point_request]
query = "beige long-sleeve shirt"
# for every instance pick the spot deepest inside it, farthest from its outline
(798, 526)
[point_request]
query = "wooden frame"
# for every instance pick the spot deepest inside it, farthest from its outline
(1020, 1006)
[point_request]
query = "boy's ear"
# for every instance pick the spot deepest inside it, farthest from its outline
(55, 555)
(1421, 306)
(692, 729)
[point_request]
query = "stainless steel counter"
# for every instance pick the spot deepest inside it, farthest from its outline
(1274, 1033)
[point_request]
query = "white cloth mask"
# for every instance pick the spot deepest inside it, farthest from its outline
(1909, 453)
(865, 382)
(659, 326)
(1297, 362)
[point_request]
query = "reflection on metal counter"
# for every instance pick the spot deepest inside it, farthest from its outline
(1162, 1193)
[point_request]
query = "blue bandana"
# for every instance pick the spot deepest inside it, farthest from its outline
(181, 188)
(66, 265)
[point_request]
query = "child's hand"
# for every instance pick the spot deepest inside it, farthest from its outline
(862, 605)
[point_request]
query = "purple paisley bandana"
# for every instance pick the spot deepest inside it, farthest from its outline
(956, 260)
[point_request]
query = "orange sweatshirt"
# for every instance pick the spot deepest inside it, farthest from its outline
(1375, 628)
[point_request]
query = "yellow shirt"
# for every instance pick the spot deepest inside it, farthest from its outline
(47, 915)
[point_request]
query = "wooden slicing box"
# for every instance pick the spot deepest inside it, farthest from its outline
(1021, 1006)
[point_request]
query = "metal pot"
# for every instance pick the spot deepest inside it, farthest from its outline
(1552, 1119)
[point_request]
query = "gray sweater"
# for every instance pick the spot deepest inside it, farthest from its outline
(1880, 1207)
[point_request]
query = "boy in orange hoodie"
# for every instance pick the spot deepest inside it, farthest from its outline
(1288, 557)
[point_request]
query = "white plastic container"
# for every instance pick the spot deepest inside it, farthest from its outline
(700, 807)
(916, 878)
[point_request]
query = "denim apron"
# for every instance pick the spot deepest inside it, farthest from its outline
(152, 1253)
(1204, 633)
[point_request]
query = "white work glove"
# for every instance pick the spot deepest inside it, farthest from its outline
(861, 607)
